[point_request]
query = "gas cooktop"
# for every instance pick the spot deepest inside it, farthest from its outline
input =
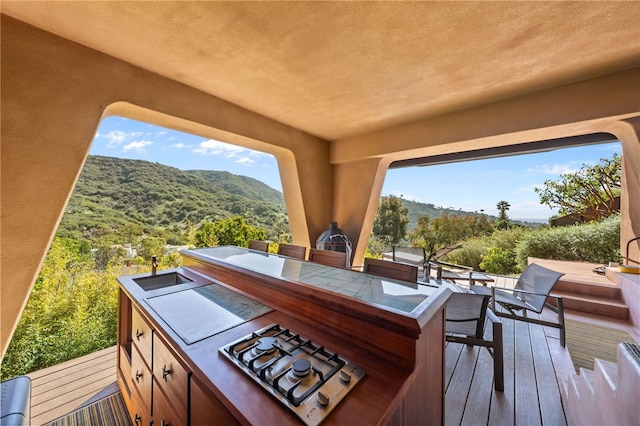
(306, 377)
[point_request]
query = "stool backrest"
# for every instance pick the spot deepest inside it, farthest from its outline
(292, 250)
(389, 269)
(328, 257)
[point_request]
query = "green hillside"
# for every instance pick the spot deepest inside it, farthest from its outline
(421, 209)
(119, 196)
(241, 186)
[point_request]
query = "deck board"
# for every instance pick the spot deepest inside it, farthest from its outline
(502, 410)
(60, 389)
(551, 412)
(479, 400)
(527, 408)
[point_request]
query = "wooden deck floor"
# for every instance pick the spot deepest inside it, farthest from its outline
(530, 396)
(58, 390)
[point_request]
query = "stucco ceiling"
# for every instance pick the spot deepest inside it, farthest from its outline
(339, 69)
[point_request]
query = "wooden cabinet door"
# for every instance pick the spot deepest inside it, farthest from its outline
(141, 333)
(206, 409)
(170, 374)
(140, 377)
(164, 413)
(140, 415)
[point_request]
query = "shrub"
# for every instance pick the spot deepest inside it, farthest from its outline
(72, 311)
(499, 261)
(597, 242)
(470, 254)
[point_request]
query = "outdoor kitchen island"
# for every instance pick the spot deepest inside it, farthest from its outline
(237, 336)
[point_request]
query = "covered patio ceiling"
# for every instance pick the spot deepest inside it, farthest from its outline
(336, 91)
(338, 70)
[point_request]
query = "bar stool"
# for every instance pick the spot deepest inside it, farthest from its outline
(292, 250)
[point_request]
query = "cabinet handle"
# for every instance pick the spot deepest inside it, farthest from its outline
(164, 423)
(138, 375)
(138, 334)
(137, 419)
(165, 372)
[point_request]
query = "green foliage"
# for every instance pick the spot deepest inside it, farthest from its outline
(433, 234)
(72, 311)
(497, 251)
(231, 231)
(152, 246)
(390, 223)
(588, 192)
(597, 242)
(375, 247)
(499, 261)
(470, 254)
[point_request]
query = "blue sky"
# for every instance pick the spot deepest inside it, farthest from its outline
(470, 186)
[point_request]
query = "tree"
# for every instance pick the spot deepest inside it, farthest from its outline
(503, 219)
(589, 192)
(390, 223)
(152, 246)
(433, 234)
(230, 231)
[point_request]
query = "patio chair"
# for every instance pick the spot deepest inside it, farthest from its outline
(259, 245)
(465, 323)
(292, 250)
(417, 255)
(389, 269)
(439, 253)
(328, 257)
(529, 294)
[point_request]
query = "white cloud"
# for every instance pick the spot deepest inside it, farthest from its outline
(118, 137)
(137, 146)
(553, 169)
(177, 145)
(236, 153)
(245, 161)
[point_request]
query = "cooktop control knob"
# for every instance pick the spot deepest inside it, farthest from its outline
(345, 376)
(322, 399)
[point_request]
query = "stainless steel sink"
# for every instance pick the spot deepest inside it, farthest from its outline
(157, 281)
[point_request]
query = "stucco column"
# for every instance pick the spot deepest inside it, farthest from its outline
(628, 132)
(307, 184)
(357, 188)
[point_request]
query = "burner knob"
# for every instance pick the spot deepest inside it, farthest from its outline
(322, 399)
(345, 376)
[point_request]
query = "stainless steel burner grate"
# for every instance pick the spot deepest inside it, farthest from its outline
(306, 377)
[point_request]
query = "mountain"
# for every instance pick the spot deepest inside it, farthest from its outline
(120, 198)
(115, 195)
(241, 185)
(415, 210)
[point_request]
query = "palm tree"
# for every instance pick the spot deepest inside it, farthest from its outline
(503, 219)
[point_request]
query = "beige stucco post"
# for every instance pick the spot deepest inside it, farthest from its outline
(358, 185)
(628, 132)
